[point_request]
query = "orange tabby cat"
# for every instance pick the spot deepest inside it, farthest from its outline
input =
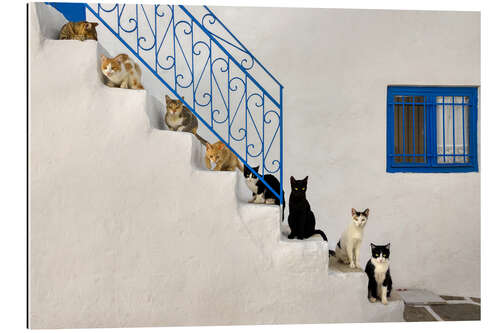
(121, 71)
(82, 30)
(223, 158)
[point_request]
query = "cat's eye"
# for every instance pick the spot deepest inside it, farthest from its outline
(385, 255)
(296, 189)
(303, 188)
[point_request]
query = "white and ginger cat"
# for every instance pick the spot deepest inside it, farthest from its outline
(121, 71)
(223, 158)
(349, 245)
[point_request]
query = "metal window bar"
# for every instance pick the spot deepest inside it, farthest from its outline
(275, 108)
(413, 123)
(453, 124)
(463, 129)
(443, 110)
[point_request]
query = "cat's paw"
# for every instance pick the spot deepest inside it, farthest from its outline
(352, 265)
(358, 265)
(373, 299)
(291, 236)
(384, 301)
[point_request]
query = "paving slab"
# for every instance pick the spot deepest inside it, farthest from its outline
(417, 313)
(420, 296)
(457, 312)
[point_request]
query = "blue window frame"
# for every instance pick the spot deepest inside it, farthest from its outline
(431, 129)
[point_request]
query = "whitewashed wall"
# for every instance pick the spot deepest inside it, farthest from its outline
(336, 66)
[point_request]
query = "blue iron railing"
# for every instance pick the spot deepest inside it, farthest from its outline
(223, 84)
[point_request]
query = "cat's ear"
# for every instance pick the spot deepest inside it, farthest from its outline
(94, 24)
(167, 99)
(388, 246)
(366, 212)
(292, 180)
(256, 168)
(89, 25)
(353, 211)
(209, 146)
(305, 179)
(372, 246)
(103, 57)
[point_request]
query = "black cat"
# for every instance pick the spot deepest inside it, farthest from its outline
(379, 275)
(300, 218)
(261, 194)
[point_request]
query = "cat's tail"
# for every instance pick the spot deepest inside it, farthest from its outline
(203, 141)
(321, 233)
(331, 253)
(284, 204)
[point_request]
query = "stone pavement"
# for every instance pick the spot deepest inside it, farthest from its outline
(454, 308)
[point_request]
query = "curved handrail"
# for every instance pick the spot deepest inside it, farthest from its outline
(189, 60)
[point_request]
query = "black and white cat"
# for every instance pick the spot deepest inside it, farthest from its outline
(260, 192)
(379, 275)
(301, 218)
(348, 247)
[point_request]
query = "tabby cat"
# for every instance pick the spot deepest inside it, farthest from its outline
(121, 71)
(379, 274)
(178, 118)
(223, 158)
(82, 30)
(301, 218)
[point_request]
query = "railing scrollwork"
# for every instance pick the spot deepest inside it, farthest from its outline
(194, 55)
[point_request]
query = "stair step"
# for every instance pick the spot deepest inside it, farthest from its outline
(141, 234)
(339, 267)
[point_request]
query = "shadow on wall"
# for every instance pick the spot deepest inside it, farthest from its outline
(51, 22)
(155, 114)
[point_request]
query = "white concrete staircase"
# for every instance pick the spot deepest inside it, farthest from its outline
(127, 229)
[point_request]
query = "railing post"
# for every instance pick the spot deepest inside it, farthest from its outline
(281, 147)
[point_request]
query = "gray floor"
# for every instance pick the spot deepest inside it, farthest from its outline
(456, 308)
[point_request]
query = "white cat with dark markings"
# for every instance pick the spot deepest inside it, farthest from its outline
(348, 247)
(379, 274)
(260, 193)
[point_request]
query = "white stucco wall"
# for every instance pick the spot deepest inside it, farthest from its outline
(336, 66)
(127, 229)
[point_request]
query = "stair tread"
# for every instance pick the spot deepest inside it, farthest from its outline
(336, 266)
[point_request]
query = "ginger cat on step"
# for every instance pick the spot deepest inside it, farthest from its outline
(121, 71)
(223, 158)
